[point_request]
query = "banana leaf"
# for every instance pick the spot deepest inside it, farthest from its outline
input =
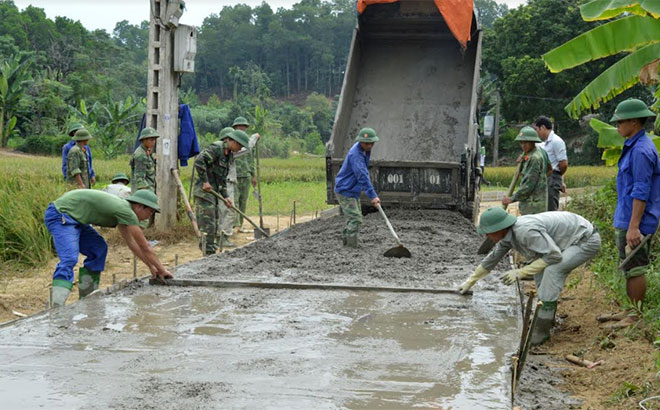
(607, 9)
(608, 136)
(617, 78)
(626, 34)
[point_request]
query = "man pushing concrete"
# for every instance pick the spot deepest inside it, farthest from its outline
(70, 218)
(555, 242)
(351, 180)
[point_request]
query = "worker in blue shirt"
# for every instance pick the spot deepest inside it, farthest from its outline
(638, 203)
(67, 147)
(352, 179)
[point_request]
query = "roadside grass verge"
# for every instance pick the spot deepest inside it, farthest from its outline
(576, 177)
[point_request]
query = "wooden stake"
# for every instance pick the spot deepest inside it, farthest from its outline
(176, 260)
(134, 266)
(114, 278)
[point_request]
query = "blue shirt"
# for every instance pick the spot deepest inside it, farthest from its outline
(353, 177)
(65, 152)
(638, 178)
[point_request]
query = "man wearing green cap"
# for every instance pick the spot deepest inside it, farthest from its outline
(555, 149)
(226, 216)
(143, 162)
(245, 172)
(554, 242)
(70, 218)
(67, 147)
(351, 180)
(119, 186)
(212, 167)
(532, 192)
(77, 161)
(638, 200)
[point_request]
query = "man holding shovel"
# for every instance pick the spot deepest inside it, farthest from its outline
(352, 179)
(212, 167)
(554, 242)
(638, 201)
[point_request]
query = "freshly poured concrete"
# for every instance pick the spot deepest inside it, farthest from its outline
(190, 348)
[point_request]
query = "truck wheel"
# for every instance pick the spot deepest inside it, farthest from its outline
(471, 210)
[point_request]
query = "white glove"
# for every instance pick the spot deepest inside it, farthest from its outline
(530, 270)
(479, 273)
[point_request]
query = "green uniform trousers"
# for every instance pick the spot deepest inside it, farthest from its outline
(243, 189)
(208, 221)
(350, 207)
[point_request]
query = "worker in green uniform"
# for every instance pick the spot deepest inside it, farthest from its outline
(70, 218)
(227, 216)
(143, 162)
(212, 167)
(532, 192)
(245, 173)
(77, 165)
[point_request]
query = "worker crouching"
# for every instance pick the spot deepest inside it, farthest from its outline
(554, 242)
(352, 179)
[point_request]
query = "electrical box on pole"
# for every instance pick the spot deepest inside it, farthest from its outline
(185, 48)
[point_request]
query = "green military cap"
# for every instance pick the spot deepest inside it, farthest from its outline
(367, 135)
(148, 133)
(528, 134)
(119, 177)
(146, 198)
(74, 127)
(240, 121)
(631, 108)
(82, 135)
(225, 132)
(495, 219)
(240, 136)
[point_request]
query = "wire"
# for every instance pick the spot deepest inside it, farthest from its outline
(647, 399)
(539, 98)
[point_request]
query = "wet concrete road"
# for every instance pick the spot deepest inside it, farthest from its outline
(239, 348)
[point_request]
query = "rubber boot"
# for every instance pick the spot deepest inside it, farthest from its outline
(544, 322)
(208, 246)
(226, 243)
(88, 281)
(352, 241)
(61, 290)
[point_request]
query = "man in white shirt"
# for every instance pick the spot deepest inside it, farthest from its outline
(119, 186)
(555, 147)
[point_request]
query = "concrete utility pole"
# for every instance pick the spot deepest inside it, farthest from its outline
(163, 103)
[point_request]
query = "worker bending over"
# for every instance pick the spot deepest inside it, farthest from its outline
(351, 180)
(70, 218)
(554, 242)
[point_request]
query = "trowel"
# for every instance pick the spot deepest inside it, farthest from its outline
(258, 233)
(398, 251)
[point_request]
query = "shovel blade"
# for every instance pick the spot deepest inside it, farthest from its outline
(397, 252)
(486, 246)
(259, 235)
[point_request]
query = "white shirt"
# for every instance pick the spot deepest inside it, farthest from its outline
(119, 190)
(556, 149)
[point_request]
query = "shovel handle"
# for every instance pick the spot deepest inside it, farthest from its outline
(389, 225)
(634, 251)
(189, 211)
(224, 201)
(514, 181)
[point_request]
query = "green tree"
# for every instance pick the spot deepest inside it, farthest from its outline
(489, 11)
(14, 77)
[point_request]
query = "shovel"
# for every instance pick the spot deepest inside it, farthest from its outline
(488, 244)
(224, 201)
(399, 251)
(257, 194)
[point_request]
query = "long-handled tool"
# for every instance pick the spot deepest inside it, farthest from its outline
(635, 250)
(191, 215)
(398, 251)
(257, 233)
(224, 201)
(488, 244)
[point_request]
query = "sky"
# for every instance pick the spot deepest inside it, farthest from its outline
(95, 14)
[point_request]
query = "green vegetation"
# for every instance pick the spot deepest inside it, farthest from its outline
(29, 184)
(576, 177)
(599, 207)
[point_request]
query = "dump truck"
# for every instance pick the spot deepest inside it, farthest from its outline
(410, 79)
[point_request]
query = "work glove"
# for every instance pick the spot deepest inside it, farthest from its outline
(530, 270)
(479, 273)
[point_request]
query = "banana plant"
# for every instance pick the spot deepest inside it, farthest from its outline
(14, 77)
(637, 34)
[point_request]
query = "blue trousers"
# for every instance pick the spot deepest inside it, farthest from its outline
(72, 238)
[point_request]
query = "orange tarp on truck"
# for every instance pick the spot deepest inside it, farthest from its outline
(457, 15)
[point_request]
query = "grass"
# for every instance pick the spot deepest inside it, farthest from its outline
(576, 177)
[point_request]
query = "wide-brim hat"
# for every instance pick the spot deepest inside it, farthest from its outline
(240, 136)
(74, 127)
(528, 134)
(631, 108)
(367, 135)
(146, 198)
(495, 219)
(119, 177)
(240, 121)
(224, 133)
(82, 135)
(148, 133)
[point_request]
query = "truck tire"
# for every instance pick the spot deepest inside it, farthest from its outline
(471, 210)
